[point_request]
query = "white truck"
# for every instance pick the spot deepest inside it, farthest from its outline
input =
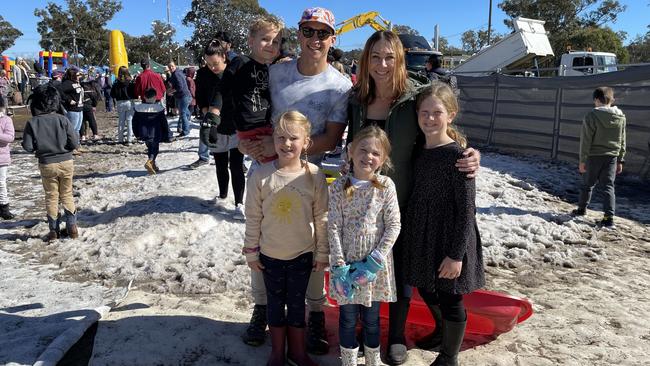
(528, 46)
(529, 43)
(579, 63)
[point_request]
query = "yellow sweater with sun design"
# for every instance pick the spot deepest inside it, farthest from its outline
(286, 214)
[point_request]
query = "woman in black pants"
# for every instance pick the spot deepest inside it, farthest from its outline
(91, 98)
(223, 140)
(228, 157)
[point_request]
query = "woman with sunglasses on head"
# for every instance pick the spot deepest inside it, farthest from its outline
(384, 96)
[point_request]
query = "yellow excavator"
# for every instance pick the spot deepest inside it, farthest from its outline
(416, 47)
(361, 20)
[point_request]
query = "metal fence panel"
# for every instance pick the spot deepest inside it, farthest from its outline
(544, 115)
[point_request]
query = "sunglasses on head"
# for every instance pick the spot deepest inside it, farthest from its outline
(322, 34)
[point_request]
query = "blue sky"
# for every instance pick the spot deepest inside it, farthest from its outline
(454, 17)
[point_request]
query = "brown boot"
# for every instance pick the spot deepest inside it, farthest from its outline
(278, 343)
(297, 352)
(149, 166)
(53, 224)
(73, 231)
(52, 235)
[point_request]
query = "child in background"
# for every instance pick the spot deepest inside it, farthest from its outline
(247, 81)
(6, 138)
(363, 224)
(442, 253)
(602, 150)
(286, 237)
(53, 138)
(150, 125)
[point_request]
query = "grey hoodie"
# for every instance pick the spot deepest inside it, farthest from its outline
(603, 133)
(51, 136)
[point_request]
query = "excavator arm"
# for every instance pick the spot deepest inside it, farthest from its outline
(371, 18)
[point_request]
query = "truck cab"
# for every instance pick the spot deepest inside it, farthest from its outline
(417, 51)
(580, 63)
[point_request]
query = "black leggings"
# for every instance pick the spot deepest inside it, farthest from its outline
(235, 159)
(451, 305)
(88, 116)
(286, 283)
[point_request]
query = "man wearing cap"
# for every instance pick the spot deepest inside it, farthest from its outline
(148, 79)
(317, 90)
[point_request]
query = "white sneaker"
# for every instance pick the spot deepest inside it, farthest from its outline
(239, 212)
(221, 205)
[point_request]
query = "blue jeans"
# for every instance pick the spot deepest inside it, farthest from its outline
(76, 118)
(183, 105)
(204, 151)
(108, 100)
(124, 127)
(152, 150)
(348, 315)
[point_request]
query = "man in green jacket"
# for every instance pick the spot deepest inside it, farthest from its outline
(602, 149)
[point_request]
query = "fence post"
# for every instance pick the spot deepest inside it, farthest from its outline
(556, 123)
(494, 109)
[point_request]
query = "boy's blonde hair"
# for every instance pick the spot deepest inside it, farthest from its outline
(445, 94)
(265, 22)
(295, 118)
(381, 136)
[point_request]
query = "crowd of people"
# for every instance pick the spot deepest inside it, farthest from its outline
(401, 215)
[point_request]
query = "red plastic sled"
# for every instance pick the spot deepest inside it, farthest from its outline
(489, 313)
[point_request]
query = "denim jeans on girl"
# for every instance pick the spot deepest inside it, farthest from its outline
(286, 283)
(76, 118)
(124, 126)
(348, 315)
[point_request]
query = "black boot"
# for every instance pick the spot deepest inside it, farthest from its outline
(452, 339)
(5, 213)
(432, 341)
(256, 332)
(398, 312)
(317, 338)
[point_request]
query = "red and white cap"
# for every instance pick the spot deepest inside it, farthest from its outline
(319, 15)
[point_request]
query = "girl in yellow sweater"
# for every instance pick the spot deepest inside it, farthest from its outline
(286, 234)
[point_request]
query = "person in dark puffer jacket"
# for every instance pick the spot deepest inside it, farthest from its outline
(150, 125)
(52, 138)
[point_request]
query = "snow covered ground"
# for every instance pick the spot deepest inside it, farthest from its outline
(192, 301)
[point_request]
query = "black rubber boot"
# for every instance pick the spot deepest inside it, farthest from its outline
(5, 213)
(432, 341)
(452, 339)
(398, 312)
(256, 332)
(317, 338)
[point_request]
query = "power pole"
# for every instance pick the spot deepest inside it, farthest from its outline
(168, 18)
(74, 48)
(489, 24)
(436, 37)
